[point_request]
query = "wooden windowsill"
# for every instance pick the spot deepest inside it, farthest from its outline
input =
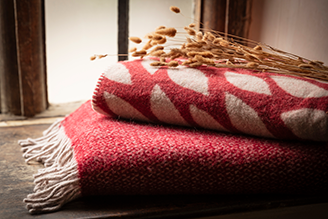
(16, 181)
(54, 112)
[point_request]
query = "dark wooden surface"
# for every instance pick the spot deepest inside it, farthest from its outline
(16, 182)
(22, 56)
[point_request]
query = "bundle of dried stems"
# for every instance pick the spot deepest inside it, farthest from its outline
(214, 48)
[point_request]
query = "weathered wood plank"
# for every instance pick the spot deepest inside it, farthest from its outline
(22, 69)
(9, 76)
(213, 15)
(16, 177)
(237, 17)
(228, 16)
(30, 33)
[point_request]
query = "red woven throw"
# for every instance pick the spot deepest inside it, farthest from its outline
(89, 154)
(230, 100)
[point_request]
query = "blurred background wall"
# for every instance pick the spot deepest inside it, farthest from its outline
(78, 29)
(296, 26)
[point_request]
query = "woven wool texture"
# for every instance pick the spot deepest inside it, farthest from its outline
(230, 100)
(121, 157)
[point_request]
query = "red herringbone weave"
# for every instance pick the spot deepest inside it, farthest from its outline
(230, 100)
(89, 154)
(120, 157)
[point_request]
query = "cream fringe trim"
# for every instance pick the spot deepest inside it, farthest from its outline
(58, 182)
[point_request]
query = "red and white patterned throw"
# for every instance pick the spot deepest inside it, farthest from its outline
(230, 100)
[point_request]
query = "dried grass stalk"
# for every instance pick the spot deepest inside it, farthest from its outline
(157, 48)
(139, 53)
(102, 56)
(175, 9)
(136, 40)
(190, 31)
(148, 45)
(93, 57)
(158, 53)
(170, 32)
(211, 49)
(133, 49)
(173, 64)
(160, 27)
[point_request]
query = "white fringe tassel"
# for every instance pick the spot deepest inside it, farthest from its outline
(58, 182)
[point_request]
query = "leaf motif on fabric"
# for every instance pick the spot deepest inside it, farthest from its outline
(189, 78)
(244, 117)
(248, 82)
(204, 119)
(311, 124)
(118, 73)
(164, 109)
(299, 88)
(122, 108)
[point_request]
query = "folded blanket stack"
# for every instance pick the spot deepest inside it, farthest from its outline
(202, 131)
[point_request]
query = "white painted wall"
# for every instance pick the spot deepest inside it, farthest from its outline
(147, 15)
(77, 29)
(296, 26)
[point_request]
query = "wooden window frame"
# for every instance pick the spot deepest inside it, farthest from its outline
(23, 85)
(23, 76)
(227, 16)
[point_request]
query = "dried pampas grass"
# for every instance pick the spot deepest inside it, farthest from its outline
(213, 48)
(175, 9)
(136, 40)
(98, 56)
(216, 49)
(170, 32)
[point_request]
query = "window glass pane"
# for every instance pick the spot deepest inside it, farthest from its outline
(147, 15)
(75, 30)
(78, 29)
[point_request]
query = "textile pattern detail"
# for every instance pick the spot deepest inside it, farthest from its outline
(233, 100)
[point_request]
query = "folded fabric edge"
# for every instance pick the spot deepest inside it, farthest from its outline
(95, 101)
(58, 182)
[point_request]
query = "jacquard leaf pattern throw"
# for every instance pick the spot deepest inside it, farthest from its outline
(89, 154)
(223, 99)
